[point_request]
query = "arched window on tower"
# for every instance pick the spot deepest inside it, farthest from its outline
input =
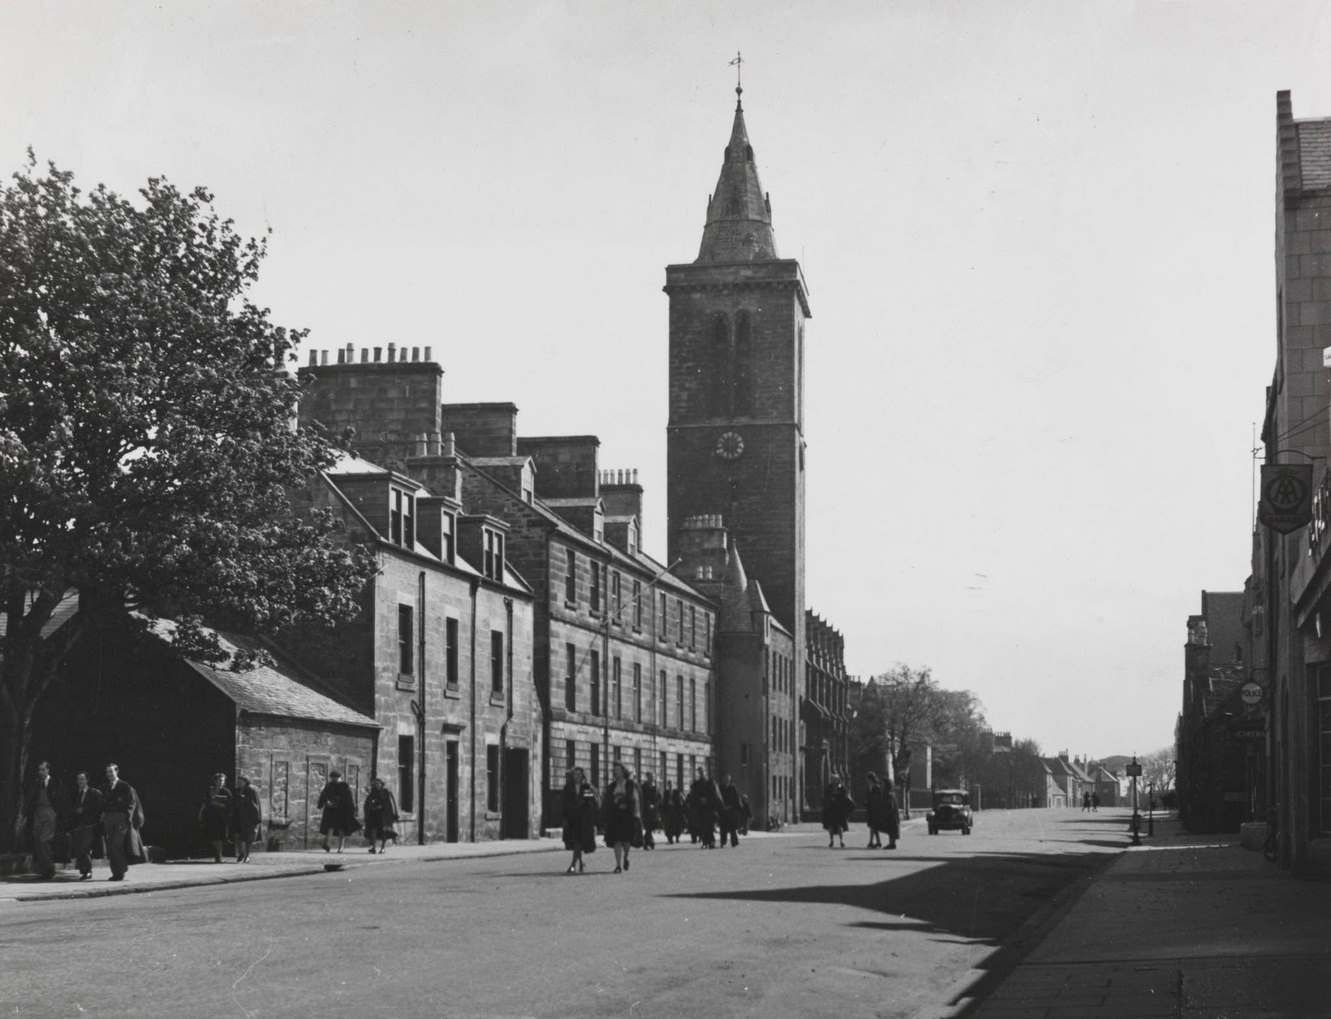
(742, 370)
(718, 368)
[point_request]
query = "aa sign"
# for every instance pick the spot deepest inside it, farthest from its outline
(1286, 503)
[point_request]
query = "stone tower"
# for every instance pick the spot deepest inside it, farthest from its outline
(735, 435)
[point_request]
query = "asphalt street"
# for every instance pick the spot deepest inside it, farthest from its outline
(779, 926)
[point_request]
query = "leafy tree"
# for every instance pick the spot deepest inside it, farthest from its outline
(146, 438)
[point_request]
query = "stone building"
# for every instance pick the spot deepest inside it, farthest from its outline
(735, 453)
(621, 649)
(823, 713)
(1288, 604)
(441, 656)
(757, 733)
(171, 724)
(1215, 767)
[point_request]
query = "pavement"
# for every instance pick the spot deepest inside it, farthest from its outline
(149, 877)
(1183, 926)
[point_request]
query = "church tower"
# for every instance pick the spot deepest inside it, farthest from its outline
(735, 435)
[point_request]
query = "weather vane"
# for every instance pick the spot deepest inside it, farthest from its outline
(738, 65)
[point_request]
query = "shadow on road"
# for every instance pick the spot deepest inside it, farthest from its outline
(985, 897)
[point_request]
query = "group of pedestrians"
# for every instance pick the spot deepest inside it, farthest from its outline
(338, 819)
(93, 821)
(231, 816)
(881, 812)
(1090, 801)
(629, 812)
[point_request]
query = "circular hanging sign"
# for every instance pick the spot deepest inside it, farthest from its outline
(1251, 693)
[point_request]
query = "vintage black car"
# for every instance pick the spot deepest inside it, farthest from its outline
(951, 809)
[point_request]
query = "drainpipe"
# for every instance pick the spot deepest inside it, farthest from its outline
(420, 715)
(508, 711)
(471, 783)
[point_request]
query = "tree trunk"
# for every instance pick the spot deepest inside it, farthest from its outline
(15, 736)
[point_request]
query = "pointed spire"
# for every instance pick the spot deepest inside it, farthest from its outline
(739, 216)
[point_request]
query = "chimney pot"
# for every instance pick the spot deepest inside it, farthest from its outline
(323, 357)
(364, 355)
(378, 354)
(314, 358)
(415, 353)
(341, 356)
(427, 353)
(392, 352)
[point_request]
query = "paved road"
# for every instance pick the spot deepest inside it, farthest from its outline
(779, 926)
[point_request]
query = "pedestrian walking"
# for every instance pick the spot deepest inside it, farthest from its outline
(875, 806)
(122, 819)
(729, 814)
(85, 824)
(579, 813)
(1085, 802)
(1095, 803)
(672, 813)
(893, 813)
(44, 813)
(339, 811)
(621, 812)
(745, 813)
(651, 812)
(704, 800)
(215, 814)
(837, 806)
(380, 815)
(246, 818)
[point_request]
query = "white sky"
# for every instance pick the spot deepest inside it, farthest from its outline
(1038, 238)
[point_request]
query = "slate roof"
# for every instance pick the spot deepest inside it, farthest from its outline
(269, 690)
(642, 561)
(1314, 153)
(350, 464)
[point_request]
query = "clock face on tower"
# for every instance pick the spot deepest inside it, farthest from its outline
(729, 446)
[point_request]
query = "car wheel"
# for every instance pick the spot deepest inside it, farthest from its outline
(966, 830)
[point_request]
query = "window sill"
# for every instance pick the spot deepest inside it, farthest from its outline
(405, 682)
(497, 700)
(452, 693)
(493, 815)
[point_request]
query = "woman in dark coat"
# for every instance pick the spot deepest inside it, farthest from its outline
(339, 811)
(380, 815)
(704, 802)
(672, 813)
(245, 818)
(837, 806)
(875, 806)
(622, 814)
(651, 814)
(579, 811)
(215, 815)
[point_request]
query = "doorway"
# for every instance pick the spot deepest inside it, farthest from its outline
(451, 790)
(516, 782)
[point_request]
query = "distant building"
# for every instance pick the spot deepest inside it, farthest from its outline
(1214, 767)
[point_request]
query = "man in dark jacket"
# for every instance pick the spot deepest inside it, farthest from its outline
(730, 812)
(44, 809)
(85, 818)
(122, 817)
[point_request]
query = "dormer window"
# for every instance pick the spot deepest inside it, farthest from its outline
(401, 518)
(493, 566)
(447, 537)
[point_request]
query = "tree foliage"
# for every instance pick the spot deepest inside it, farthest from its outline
(904, 708)
(146, 437)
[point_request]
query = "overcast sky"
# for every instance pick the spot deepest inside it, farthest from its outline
(1038, 238)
